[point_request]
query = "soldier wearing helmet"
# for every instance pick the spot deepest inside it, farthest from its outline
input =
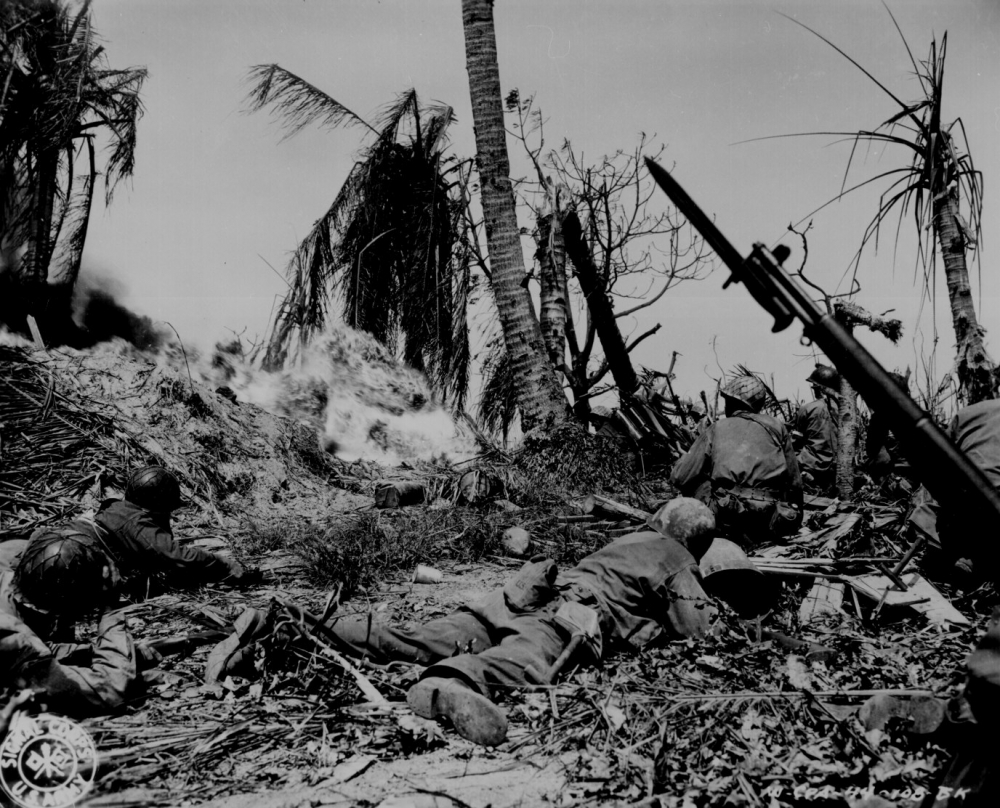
(731, 577)
(883, 453)
(744, 468)
(57, 577)
(638, 588)
(137, 534)
(816, 437)
(952, 532)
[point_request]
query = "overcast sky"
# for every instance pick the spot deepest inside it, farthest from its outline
(217, 195)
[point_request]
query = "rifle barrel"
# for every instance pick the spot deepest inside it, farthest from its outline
(946, 472)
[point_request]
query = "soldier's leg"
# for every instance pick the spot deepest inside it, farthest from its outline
(461, 632)
(531, 639)
(460, 688)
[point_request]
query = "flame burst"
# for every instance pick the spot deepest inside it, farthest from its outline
(363, 402)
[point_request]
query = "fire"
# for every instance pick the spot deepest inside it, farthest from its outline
(362, 401)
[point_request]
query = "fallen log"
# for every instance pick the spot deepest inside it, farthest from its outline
(399, 494)
(604, 506)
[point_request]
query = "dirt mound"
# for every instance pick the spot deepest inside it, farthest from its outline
(364, 402)
(75, 422)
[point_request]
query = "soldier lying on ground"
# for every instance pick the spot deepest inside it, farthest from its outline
(639, 588)
(744, 468)
(46, 584)
(136, 533)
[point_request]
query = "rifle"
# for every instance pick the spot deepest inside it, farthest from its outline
(947, 473)
(150, 653)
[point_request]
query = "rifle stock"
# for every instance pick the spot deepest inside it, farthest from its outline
(947, 473)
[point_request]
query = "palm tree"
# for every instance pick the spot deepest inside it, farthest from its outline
(57, 94)
(540, 398)
(392, 244)
(939, 179)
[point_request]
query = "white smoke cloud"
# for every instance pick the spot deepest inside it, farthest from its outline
(362, 402)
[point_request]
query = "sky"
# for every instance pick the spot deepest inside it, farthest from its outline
(201, 236)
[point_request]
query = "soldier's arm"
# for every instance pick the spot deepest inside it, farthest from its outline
(162, 553)
(692, 467)
(74, 690)
(688, 609)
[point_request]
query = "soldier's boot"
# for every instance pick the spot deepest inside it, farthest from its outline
(473, 716)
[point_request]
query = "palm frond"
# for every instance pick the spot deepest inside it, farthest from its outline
(881, 86)
(390, 248)
(296, 102)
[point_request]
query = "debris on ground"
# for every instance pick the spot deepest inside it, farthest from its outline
(835, 692)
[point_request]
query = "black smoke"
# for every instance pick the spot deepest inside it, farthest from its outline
(78, 315)
(99, 317)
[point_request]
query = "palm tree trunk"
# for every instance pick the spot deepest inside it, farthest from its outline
(40, 248)
(975, 368)
(847, 428)
(540, 397)
(601, 311)
(552, 265)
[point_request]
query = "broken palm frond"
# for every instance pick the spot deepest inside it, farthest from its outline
(55, 449)
(72, 424)
(741, 713)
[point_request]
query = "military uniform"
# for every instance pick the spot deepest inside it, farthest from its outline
(817, 450)
(975, 430)
(142, 545)
(744, 468)
(642, 586)
(76, 679)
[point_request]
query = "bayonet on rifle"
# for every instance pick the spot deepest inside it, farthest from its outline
(946, 472)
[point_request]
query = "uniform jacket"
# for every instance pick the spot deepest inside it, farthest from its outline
(975, 430)
(142, 545)
(642, 584)
(77, 679)
(817, 453)
(744, 450)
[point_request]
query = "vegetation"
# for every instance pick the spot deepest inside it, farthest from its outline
(596, 263)
(540, 398)
(395, 243)
(58, 96)
(939, 181)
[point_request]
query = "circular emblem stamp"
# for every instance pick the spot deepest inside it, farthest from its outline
(46, 761)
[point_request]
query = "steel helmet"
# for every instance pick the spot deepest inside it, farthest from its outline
(732, 577)
(748, 390)
(154, 488)
(65, 571)
(685, 519)
(825, 376)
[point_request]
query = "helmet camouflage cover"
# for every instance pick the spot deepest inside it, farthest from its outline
(748, 390)
(65, 571)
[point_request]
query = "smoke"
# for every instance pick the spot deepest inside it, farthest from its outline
(362, 402)
(99, 317)
(78, 315)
